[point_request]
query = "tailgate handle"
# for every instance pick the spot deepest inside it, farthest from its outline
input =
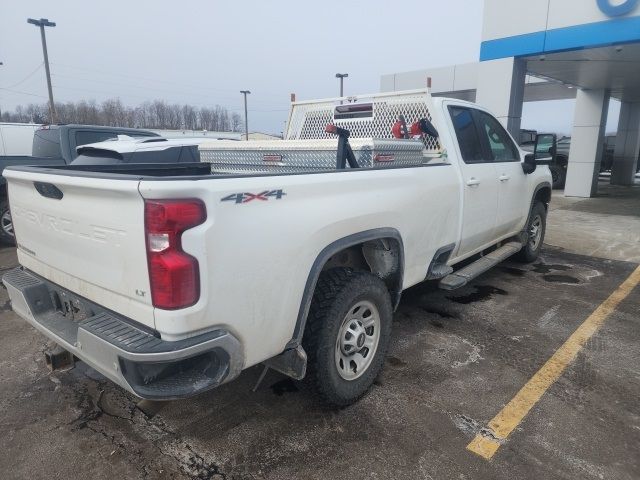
(48, 190)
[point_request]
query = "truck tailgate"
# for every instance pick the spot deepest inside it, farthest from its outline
(85, 234)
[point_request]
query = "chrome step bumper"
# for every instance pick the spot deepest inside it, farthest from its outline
(132, 356)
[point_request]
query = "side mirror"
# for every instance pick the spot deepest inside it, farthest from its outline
(529, 165)
(545, 148)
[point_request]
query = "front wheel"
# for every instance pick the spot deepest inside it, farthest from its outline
(535, 230)
(6, 224)
(558, 176)
(347, 334)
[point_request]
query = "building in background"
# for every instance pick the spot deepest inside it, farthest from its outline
(549, 50)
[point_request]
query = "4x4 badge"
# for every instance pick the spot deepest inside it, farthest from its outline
(247, 197)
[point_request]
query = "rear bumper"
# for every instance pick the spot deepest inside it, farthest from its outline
(128, 354)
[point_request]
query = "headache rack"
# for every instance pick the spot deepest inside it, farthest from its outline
(343, 132)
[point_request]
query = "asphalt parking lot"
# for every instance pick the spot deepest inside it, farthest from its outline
(456, 359)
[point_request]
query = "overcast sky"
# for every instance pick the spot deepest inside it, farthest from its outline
(204, 52)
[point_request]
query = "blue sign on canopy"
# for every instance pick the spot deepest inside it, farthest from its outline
(609, 8)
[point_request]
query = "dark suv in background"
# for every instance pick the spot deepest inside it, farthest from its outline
(560, 161)
(56, 145)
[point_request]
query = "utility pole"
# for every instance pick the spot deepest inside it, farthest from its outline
(44, 22)
(342, 76)
(246, 120)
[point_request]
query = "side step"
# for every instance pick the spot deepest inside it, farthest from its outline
(463, 276)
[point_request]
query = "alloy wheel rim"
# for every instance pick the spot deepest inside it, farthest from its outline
(535, 232)
(7, 223)
(357, 340)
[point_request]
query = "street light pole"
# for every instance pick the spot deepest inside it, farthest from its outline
(246, 120)
(44, 22)
(342, 76)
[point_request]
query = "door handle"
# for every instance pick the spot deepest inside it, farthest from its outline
(473, 181)
(504, 178)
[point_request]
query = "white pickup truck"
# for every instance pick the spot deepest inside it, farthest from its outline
(172, 279)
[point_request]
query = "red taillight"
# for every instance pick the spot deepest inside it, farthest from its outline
(173, 274)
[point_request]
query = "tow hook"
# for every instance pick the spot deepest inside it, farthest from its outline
(58, 358)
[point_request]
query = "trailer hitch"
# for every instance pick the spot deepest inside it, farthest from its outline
(57, 358)
(344, 153)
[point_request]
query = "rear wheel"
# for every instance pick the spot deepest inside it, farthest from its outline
(6, 224)
(535, 230)
(347, 334)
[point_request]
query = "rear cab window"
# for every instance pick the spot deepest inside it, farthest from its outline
(84, 137)
(46, 143)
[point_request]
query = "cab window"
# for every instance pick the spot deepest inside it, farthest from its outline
(84, 137)
(501, 147)
(467, 135)
(46, 143)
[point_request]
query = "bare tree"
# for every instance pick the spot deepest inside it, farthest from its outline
(112, 112)
(237, 125)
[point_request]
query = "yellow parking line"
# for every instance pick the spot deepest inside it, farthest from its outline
(487, 442)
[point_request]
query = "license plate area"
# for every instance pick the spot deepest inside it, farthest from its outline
(69, 306)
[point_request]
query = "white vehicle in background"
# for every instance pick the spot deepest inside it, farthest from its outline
(211, 135)
(125, 149)
(17, 138)
(171, 280)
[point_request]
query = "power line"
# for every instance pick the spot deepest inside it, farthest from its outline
(201, 97)
(22, 93)
(141, 87)
(25, 78)
(148, 79)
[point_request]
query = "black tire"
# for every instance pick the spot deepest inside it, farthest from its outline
(337, 291)
(531, 250)
(559, 176)
(6, 227)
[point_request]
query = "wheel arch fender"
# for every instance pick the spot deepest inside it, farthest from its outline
(542, 193)
(394, 282)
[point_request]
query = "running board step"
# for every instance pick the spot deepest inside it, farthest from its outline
(463, 276)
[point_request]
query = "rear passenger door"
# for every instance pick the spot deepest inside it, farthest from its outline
(479, 181)
(512, 184)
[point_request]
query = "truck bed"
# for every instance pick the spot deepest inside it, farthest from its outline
(92, 240)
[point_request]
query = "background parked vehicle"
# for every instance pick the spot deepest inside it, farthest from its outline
(54, 145)
(141, 150)
(559, 161)
(16, 138)
(60, 142)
